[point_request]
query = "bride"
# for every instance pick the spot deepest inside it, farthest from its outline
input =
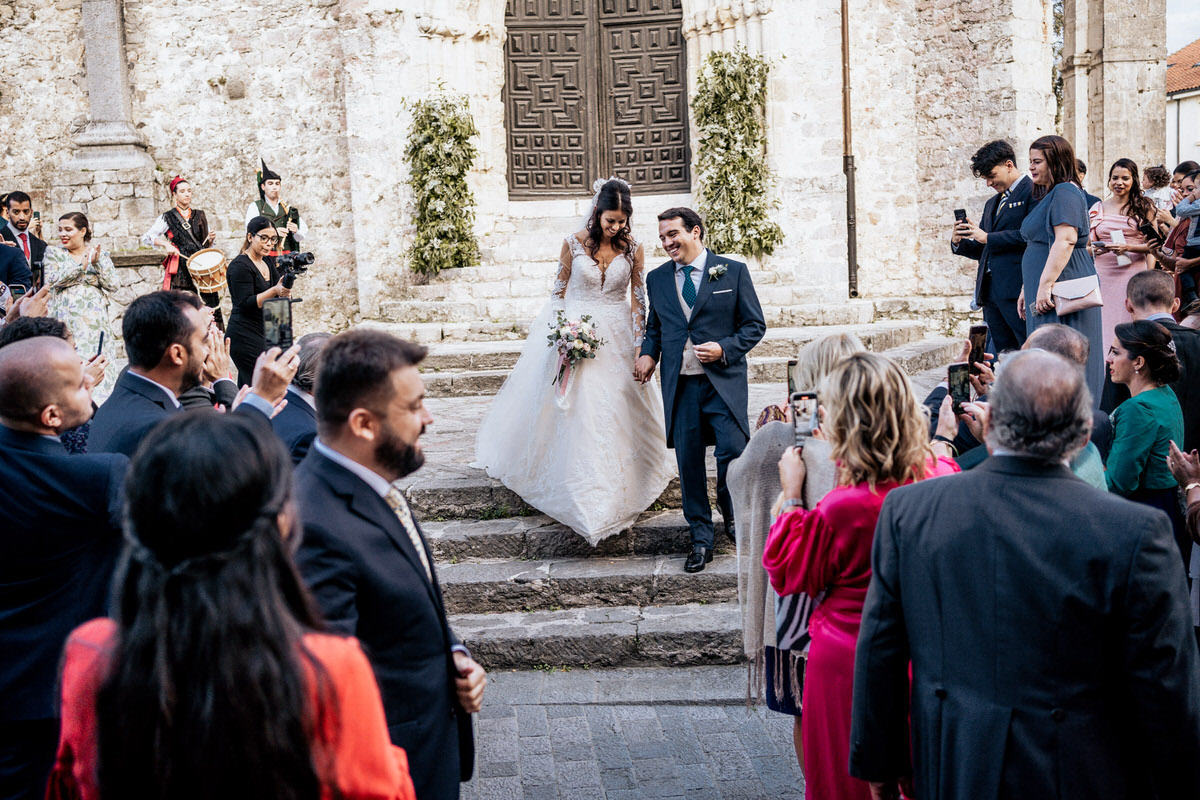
(592, 456)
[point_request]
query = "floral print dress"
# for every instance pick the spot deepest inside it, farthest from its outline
(79, 297)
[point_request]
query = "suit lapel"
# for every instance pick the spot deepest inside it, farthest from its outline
(371, 508)
(669, 293)
(705, 287)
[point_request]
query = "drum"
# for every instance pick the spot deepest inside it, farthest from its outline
(207, 268)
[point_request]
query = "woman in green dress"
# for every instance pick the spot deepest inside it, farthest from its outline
(1142, 357)
(81, 278)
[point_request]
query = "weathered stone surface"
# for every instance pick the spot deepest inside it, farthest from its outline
(508, 585)
(620, 636)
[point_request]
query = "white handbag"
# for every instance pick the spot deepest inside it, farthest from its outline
(1076, 295)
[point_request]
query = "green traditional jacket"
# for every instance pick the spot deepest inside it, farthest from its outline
(279, 219)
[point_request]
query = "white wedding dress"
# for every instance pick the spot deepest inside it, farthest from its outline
(595, 457)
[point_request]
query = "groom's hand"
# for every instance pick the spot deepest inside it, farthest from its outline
(643, 368)
(709, 352)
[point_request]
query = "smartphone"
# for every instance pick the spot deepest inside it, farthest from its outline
(960, 215)
(37, 215)
(804, 416)
(958, 375)
(791, 376)
(17, 291)
(978, 338)
(100, 347)
(277, 322)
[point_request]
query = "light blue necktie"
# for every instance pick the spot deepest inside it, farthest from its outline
(689, 288)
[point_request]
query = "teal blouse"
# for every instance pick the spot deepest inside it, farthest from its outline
(1143, 427)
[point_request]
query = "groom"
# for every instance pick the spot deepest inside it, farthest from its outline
(704, 317)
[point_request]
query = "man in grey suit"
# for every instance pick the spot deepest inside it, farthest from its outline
(1046, 623)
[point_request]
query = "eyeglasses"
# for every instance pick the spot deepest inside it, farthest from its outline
(267, 239)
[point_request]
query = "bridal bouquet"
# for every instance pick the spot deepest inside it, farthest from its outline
(574, 340)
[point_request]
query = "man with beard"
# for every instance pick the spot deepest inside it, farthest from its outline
(364, 557)
(167, 341)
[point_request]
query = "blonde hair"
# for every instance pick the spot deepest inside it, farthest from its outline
(817, 358)
(873, 422)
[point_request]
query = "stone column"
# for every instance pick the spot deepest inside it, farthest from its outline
(1114, 70)
(109, 140)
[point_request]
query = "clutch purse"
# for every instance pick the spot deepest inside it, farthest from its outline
(1076, 295)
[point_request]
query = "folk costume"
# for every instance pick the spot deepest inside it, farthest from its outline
(189, 235)
(279, 216)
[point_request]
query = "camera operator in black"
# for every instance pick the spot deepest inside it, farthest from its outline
(253, 278)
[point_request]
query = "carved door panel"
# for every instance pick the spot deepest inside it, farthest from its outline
(595, 88)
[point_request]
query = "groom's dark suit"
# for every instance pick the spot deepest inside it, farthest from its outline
(708, 408)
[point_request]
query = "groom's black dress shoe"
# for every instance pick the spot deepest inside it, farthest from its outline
(696, 559)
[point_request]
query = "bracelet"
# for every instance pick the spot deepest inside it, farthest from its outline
(790, 503)
(937, 437)
(1190, 486)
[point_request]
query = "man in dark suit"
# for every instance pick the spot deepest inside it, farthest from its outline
(20, 214)
(1046, 623)
(996, 243)
(14, 270)
(167, 340)
(1150, 295)
(364, 557)
(58, 544)
(704, 318)
(297, 423)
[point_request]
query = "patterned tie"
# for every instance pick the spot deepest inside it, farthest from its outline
(1003, 200)
(25, 245)
(395, 499)
(689, 288)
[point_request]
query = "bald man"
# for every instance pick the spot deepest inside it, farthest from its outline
(59, 537)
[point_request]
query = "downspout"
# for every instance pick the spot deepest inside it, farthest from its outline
(1178, 142)
(848, 158)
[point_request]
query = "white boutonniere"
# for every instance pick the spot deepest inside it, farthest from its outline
(714, 273)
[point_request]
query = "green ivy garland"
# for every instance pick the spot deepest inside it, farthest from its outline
(731, 164)
(440, 154)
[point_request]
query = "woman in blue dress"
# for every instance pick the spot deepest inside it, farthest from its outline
(1056, 233)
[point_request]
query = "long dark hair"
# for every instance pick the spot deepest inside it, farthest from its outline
(1139, 207)
(1060, 160)
(613, 196)
(206, 695)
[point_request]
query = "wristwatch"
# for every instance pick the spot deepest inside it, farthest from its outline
(795, 502)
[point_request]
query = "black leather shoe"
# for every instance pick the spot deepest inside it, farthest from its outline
(731, 530)
(696, 559)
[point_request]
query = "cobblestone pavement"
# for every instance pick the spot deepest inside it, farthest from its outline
(630, 733)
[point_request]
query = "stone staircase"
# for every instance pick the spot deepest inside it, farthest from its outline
(525, 591)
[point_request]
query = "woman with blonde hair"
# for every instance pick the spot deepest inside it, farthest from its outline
(775, 629)
(879, 440)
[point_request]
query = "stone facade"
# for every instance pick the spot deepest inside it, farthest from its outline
(319, 89)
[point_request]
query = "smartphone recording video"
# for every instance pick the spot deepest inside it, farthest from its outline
(804, 416)
(978, 339)
(791, 376)
(277, 322)
(958, 375)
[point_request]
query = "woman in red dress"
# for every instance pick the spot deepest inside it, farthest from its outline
(879, 438)
(213, 680)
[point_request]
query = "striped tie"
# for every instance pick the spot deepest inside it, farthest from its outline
(395, 499)
(689, 288)
(1003, 200)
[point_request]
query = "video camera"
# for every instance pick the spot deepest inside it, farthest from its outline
(291, 265)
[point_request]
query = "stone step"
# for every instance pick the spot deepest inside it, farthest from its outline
(778, 342)
(539, 538)
(615, 636)
(429, 333)
(550, 585)
(913, 357)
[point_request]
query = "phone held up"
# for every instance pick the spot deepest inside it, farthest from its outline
(978, 338)
(960, 215)
(958, 375)
(791, 376)
(17, 291)
(277, 322)
(804, 416)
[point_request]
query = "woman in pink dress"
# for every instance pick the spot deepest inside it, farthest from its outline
(879, 439)
(1125, 212)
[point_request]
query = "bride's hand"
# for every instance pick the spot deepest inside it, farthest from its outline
(643, 368)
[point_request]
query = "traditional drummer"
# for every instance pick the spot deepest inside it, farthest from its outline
(183, 231)
(289, 227)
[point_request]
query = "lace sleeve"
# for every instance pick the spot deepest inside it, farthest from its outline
(559, 292)
(637, 296)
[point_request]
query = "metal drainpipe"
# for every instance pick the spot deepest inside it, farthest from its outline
(848, 157)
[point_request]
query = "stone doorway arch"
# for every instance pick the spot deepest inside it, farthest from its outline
(595, 87)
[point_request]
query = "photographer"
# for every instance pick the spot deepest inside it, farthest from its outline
(253, 279)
